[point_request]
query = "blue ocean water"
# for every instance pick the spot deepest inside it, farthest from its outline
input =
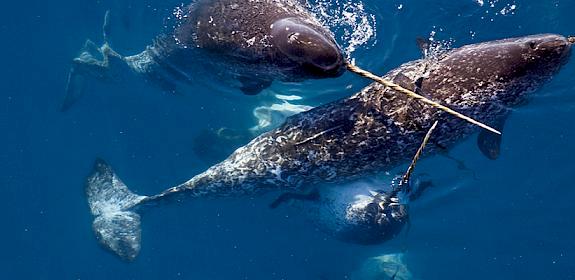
(504, 219)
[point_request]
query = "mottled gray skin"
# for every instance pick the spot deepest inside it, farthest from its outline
(378, 129)
(243, 30)
(239, 36)
(371, 131)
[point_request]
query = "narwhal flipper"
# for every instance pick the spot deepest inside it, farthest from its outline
(490, 143)
(421, 187)
(312, 195)
(75, 89)
(76, 83)
(443, 151)
(253, 85)
(423, 44)
(116, 225)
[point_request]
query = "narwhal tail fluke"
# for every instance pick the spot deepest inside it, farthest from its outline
(116, 224)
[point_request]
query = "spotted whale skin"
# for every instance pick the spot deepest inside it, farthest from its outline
(371, 131)
(378, 128)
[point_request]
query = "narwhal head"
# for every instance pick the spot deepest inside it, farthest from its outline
(357, 214)
(313, 50)
(373, 219)
(501, 71)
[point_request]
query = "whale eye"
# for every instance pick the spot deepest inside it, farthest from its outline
(532, 45)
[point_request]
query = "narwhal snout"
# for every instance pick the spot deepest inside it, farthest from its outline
(317, 53)
(550, 46)
(558, 44)
(329, 62)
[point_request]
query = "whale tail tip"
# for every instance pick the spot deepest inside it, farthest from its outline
(116, 224)
(93, 62)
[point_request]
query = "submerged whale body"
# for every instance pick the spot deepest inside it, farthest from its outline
(374, 130)
(254, 42)
(266, 40)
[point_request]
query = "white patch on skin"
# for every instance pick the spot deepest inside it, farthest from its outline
(277, 172)
(251, 41)
(355, 210)
(293, 37)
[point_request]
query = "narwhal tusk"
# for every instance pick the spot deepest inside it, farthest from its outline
(412, 94)
(403, 185)
(407, 174)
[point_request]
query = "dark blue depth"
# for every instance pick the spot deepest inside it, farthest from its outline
(506, 219)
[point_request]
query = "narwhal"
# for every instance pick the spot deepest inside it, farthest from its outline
(254, 42)
(371, 131)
